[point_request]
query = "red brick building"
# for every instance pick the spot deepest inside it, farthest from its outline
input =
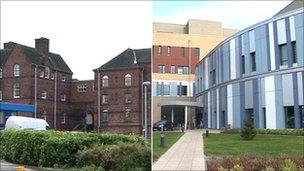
(120, 102)
(42, 78)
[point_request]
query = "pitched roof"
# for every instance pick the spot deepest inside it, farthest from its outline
(292, 6)
(34, 55)
(126, 59)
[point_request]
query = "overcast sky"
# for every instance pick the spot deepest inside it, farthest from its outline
(232, 14)
(85, 34)
(88, 34)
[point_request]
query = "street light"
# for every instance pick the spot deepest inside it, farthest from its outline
(145, 84)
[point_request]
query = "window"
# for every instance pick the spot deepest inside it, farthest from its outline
(41, 74)
(182, 90)
(0, 95)
(43, 95)
(185, 70)
(63, 78)
(166, 89)
(128, 80)
(63, 97)
(253, 62)
(82, 88)
(180, 70)
(104, 116)
(47, 72)
(105, 99)
(283, 54)
(16, 70)
(169, 50)
(243, 64)
(159, 50)
(105, 81)
(289, 117)
(173, 69)
(294, 52)
(52, 76)
(213, 77)
(128, 98)
(183, 52)
(1, 73)
(63, 119)
(197, 51)
(161, 68)
(128, 112)
(16, 91)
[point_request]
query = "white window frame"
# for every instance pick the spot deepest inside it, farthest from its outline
(63, 98)
(17, 70)
(128, 80)
(102, 116)
(63, 119)
(128, 98)
(0, 95)
(169, 51)
(41, 74)
(52, 76)
(47, 72)
(159, 50)
(127, 112)
(44, 95)
(82, 88)
(63, 79)
(15, 90)
(105, 99)
(105, 81)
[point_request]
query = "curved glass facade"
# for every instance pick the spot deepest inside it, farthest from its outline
(256, 73)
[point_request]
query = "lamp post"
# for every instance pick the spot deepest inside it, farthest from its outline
(145, 84)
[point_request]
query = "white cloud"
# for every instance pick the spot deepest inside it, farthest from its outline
(232, 14)
(86, 34)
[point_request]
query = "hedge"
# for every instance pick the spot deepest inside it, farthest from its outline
(297, 132)
(49, 148)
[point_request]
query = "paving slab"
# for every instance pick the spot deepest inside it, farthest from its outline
(186, 154)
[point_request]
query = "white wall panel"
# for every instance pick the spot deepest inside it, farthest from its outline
(229, 105)
(271, 46)
(292, 28)
(281, 31)
(209, 110)
(300, 88)
(217, 109)
(252, 41)
(232, 59)
(270, 102)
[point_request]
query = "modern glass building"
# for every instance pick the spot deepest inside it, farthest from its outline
(257, 73)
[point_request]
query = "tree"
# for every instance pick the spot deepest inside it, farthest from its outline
(248, 133)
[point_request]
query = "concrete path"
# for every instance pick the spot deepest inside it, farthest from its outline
(186, 154)
(6, 166)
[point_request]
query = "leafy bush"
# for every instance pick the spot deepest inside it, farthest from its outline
(237, 168)
(122, 156)
(248, 133)
(54, 148)
(256, 163)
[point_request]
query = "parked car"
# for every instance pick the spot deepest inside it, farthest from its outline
(26, 123)
(168, 125)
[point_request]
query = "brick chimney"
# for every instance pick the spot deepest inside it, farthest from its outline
(42, 44)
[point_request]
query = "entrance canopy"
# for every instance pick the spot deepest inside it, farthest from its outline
(4, 106)
(179, 103)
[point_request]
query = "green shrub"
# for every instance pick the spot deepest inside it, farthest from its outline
(53, 148)
(298, 132)
(288, 165)
(129, 156)
(269, 169)
(248, 133)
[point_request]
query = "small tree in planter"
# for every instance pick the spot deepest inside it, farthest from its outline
(248, 133)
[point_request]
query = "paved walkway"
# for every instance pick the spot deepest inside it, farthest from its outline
(186, 154)
(6, 166)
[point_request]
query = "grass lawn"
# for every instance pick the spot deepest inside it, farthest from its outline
(264, 145)
(170, 139)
